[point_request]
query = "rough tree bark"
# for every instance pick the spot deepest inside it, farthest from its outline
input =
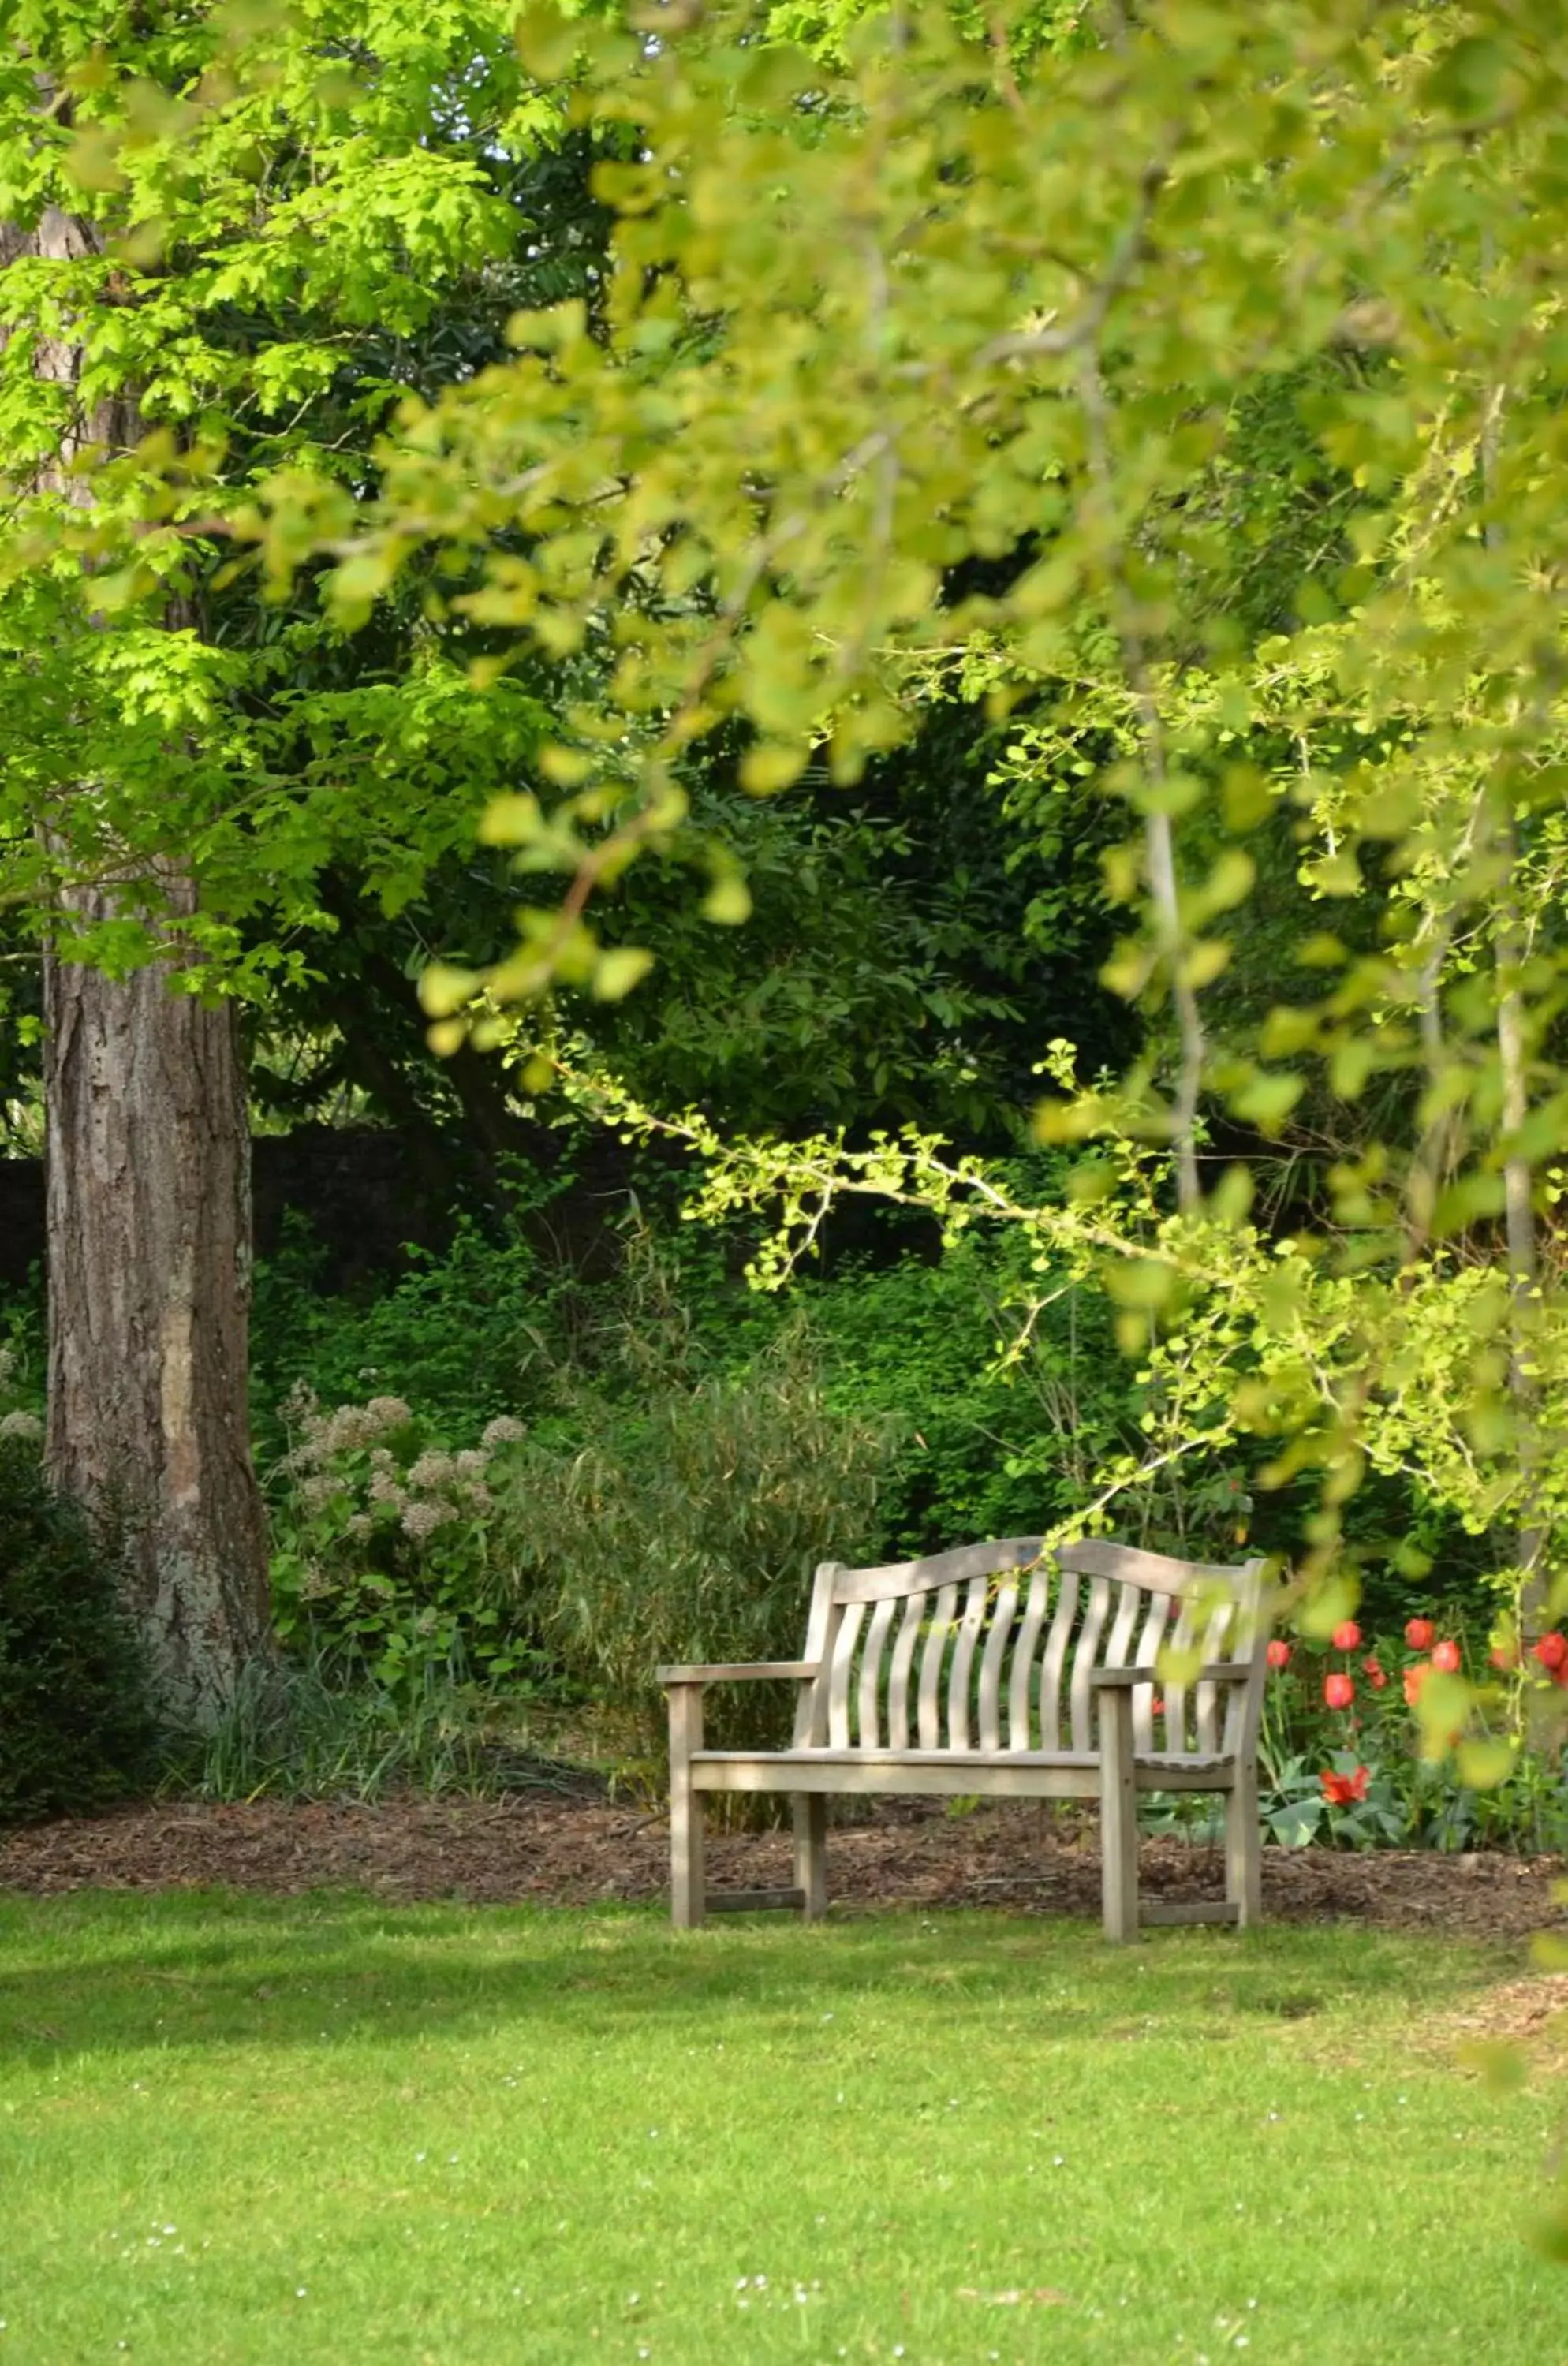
(148, 1163)
(148, 1184)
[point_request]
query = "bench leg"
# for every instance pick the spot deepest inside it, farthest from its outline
(811, 1851)
(688, 1882)
(1118, 1816)
(1244, 1848)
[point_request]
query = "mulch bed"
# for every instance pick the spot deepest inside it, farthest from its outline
(559, 1850)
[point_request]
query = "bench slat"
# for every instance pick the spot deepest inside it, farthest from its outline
(1130, 1600)
(1179, 1696)
(1144, 1654)
(1023, 1659)
(991, 1665)
(1083, 1658)
(839, 1674)
(902, 1662)
(871, 1671)
(963, 1662)
(928, 1705)
(1216, 1635)
(1053, 1666)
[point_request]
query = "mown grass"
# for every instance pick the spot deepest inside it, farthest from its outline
(238, 2129)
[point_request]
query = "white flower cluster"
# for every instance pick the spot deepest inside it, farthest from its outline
(437, 1489)
(20, 1424)
(323, 1435)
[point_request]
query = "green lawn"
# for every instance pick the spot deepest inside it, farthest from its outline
(332, 2130)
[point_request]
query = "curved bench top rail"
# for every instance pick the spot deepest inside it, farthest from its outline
(1089, 1557)
(899, 1578)
(1157, 1572)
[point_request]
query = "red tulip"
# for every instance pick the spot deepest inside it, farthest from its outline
(1551, 1650)
(1279, 1653)
(1339, 1690)
(1375, 1673)
(1415, 1678)
(1420, 1634)
(1156, 1705)
(1347, 1635)
(1344, 1790)
(1505, 1656)
(1445, 1657)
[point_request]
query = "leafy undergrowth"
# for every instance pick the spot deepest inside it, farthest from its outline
(235, 2129)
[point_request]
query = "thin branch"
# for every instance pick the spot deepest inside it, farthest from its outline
(1072, 336)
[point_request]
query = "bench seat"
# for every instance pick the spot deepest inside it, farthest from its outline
(945, 1774)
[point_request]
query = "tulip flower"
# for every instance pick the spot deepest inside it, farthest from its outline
(1376, 1674)
(1420, 1634)
(1444, 1656)
(1551, 1650)
(1415, 1678)
(1339, 1690)
(1347, 1635)
(1345, 1790)
(1279, 1653)
(1505, 1657)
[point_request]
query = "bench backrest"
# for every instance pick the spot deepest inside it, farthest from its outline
(993, 1647)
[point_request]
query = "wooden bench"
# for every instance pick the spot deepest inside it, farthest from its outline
(999, 1670)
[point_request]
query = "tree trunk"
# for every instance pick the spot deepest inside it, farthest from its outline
(148, 1182)
(148, 1235)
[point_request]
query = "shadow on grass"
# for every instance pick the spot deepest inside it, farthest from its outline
(109, 1972)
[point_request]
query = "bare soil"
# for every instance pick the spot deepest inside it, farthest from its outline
(550, 1847)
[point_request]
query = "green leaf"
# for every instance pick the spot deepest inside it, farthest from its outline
(1482, 1765)
(443, 990)
(728, 901)
(617, 970)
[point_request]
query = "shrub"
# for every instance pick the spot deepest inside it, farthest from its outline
(685, 1526)
(77, 1729)
(389, 1551)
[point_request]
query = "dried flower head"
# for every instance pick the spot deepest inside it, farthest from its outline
(433, 1469)
(421, 1519)
(504, 1430)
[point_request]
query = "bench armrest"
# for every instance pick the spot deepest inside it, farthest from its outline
(736, 1671)
(1213, 1672)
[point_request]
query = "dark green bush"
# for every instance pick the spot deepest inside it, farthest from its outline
(77, 1729)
